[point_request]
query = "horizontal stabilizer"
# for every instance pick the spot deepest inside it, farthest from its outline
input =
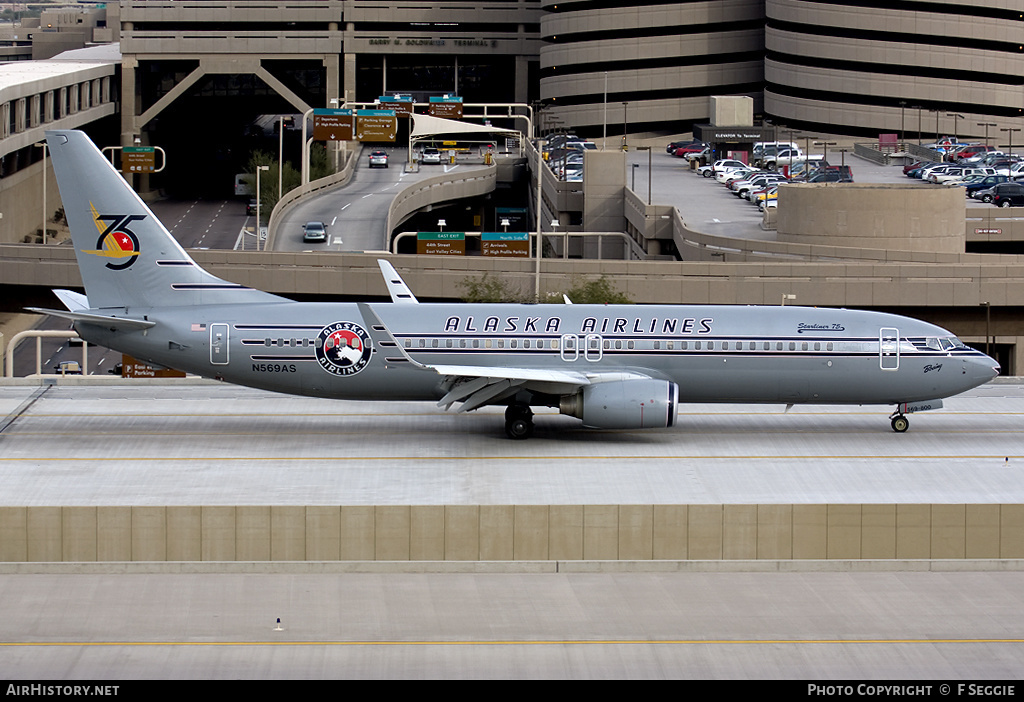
(72, 300)
(98, 319)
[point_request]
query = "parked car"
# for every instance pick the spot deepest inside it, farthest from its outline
(982, 189)
(673, 145)
(313, 232)
(378, 158)
(975, 152)
(1008, 195)
(430, 155)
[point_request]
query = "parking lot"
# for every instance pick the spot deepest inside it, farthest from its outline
(709, 207)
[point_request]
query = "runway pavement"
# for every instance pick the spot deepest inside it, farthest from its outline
(109, 442)
(129, 443)
(932, 626)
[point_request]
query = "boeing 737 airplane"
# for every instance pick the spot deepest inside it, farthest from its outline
(613, 366)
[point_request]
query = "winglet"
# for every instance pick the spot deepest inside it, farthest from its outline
(399, 291)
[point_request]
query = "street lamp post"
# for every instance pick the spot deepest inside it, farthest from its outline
(826, 144)
(42, 145)
(259, 199)
(1010, 131)
(648, 150)
(625, 125)
(903, 122)
(986, 125)
(537, 246)
(955, 117)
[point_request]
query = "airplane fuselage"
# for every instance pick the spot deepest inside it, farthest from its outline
(713, 353)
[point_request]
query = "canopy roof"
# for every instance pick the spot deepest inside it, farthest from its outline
(426, 125)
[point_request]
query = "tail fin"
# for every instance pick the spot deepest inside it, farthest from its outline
(125, 255)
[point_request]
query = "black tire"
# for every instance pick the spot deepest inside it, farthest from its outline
(1005, 203)
(519, 422)
(986, 198)
(519, 428)
(900, 424)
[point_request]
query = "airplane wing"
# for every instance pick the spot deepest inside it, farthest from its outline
(475, 386)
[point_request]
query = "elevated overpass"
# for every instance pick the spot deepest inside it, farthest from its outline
(73, 91)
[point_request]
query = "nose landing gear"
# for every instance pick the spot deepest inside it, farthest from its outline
(899, 422)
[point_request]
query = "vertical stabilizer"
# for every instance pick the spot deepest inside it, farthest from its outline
(126, 256)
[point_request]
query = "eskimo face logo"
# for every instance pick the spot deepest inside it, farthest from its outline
(343, 348)
(116, 240)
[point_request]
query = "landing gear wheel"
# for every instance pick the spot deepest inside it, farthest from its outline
(900, 424)
(518, 422)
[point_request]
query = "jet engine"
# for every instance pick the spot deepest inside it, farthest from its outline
(624, 404)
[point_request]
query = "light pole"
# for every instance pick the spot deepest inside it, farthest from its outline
(826, 144)
(787, 296)
(903, 122)
(648, 150)
(988, 324)
(986, 125)
(955, 117)
(625, 125)
(280, 157)
(537, 246)
(259, 169)
(42, 145)
(1010, 131)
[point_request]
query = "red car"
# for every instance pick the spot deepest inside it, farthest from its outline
(683, 151)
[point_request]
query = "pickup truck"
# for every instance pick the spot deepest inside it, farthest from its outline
(787, 157)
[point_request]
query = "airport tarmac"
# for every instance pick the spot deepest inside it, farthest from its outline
(938, 627)
(206, 443)
(115, 442)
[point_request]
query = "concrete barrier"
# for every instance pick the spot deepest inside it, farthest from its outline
(482, 533)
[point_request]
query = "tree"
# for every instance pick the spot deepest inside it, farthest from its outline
(596, 292)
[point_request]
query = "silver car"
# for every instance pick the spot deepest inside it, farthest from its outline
(313, 232)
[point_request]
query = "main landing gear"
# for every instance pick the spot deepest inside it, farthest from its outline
(899, 421)
(519, 422)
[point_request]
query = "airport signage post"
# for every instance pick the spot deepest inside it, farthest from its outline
(505, 244)
(447, 106)
(376, 125)
(331, 124)
(401, 105)
(138, 159)
(133, 368)
(441, 243)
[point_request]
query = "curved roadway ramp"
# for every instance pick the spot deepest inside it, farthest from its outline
(356, 214)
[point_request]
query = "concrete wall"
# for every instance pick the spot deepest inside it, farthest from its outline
(511, 532)
(897, 216)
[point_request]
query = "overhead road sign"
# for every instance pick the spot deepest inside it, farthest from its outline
(441, 243)
(330, 124)
(401, 105)
(376, 125)
(447, 106)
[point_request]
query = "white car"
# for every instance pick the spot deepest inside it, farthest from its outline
(711, 170)
(430, 155)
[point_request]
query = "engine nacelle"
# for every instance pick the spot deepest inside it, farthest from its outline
(624, 404)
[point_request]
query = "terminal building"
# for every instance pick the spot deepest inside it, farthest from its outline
(192, 76)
